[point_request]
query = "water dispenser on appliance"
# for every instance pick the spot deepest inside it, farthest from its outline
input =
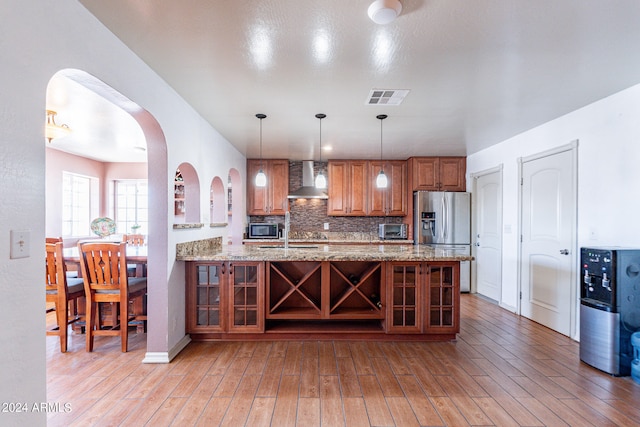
(428, 220)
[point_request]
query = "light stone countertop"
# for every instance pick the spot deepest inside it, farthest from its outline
(319, 252)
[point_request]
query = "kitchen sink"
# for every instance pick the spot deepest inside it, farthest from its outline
(290, 247)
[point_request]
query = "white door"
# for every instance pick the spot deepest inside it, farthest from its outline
(488, 235)
(548, 239)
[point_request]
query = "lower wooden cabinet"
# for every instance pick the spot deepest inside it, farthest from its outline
(370, 298)
(423, 297)
(225, 297)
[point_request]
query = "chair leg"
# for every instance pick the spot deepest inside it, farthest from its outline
(124, 322)
(90, 323)
(61, 317)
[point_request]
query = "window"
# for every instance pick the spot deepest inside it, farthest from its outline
(131, 208)
(79, 206)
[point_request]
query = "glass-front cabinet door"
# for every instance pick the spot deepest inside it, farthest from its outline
(443, 297)
(206, 298)
(246, 300)
(404, 293)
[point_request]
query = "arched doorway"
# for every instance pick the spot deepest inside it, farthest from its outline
(157, 175)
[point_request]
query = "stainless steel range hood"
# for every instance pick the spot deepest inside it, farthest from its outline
(308, 189)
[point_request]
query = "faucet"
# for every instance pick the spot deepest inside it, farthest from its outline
(287, 225)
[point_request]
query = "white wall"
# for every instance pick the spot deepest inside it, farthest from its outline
(36, 41)
(608, 132)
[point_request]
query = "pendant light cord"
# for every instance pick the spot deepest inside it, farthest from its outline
(381, 117)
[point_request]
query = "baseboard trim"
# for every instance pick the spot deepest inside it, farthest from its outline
(166, 357)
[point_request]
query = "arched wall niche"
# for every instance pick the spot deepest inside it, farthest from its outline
(218, 205)
(191, 200)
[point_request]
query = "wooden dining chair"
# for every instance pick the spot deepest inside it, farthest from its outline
(63, 292)
(135, 270)
(104, 270)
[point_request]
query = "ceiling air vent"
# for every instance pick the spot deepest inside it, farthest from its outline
(386, 96)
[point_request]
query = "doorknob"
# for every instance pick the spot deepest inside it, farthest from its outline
(564, 251)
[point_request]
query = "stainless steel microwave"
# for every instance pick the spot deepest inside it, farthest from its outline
(264, 230)
(392, 231)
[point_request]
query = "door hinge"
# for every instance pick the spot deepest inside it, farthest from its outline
(521, 181)
(520, 294)
(521, 239)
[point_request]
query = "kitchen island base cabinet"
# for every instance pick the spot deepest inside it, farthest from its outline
(382, 300)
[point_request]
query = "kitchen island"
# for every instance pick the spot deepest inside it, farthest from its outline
(313, 291)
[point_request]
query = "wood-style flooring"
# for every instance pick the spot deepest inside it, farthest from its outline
(503, 370)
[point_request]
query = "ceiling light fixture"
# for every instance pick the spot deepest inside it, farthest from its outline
(321, 180)
(381, 180)
(53, 130)
(261, 178)
(384, 11)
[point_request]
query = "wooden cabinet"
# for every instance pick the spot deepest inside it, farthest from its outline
(347, 187)
(390, 201)
(225, 297)
(271, 199)
(423, 297)
(353, 192)
(443, 302)
(438, 173)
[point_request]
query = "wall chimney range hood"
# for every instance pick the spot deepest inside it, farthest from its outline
(308, 189)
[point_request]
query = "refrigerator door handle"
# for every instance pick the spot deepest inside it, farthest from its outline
(444, 216)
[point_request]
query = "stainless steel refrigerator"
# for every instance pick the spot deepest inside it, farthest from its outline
(442, 220)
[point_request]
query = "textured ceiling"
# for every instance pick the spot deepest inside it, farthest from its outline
(478, 71)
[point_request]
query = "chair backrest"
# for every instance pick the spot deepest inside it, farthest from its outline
(133, 239)
(53, 239)
(103, 265)
(55, 267)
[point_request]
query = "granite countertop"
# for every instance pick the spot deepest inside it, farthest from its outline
(320, 252)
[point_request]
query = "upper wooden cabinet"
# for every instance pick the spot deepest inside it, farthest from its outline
(347, 187)
(271, 199)
(390, 201)
(438, 173)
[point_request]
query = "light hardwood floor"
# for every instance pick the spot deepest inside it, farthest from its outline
(503, 370)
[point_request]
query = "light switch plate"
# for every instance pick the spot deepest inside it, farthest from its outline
(20, 244)
(326, 225)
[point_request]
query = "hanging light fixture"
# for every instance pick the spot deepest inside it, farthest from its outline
(261, 178)
(321, 180)
(53, 130)
(381, 180)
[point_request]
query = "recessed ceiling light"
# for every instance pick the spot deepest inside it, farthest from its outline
(386, 96)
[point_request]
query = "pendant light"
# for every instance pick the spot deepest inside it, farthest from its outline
(321, 180)
(381, 180)
(261, 178)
